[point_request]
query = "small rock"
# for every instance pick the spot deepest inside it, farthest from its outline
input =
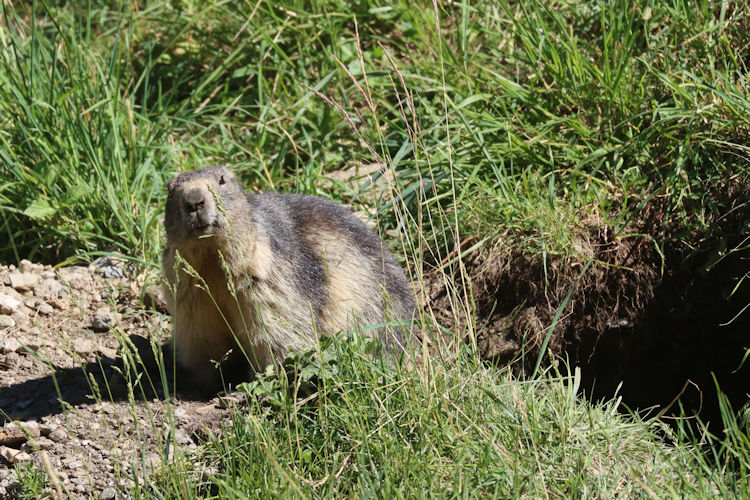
(6, 322)
(72, 463)
(231, 400)
(83, 346)
(103, 320)
(34, 339)
(155, 297)
(108, 493)
(182, 437)
(13, 456)
(58, 304)
(107, 352)
(10, 435)
(11, 344)
(58, 435)
(32, 428)
(49, 288)
(29, 267)
(206, 409)
(109, 267)
(152, 462)
(9, 361)
(8, 304)
(44, 308)
(77, 277)
(42, 443)
(47, 428)
(23, 281)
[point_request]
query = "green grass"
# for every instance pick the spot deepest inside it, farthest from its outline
(511, 121)
(339, 423)
(557, 113)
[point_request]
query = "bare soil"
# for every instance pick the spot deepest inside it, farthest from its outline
(68, 401)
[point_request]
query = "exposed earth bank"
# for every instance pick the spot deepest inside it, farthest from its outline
(651, 324)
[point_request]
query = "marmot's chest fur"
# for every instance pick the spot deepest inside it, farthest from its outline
(263, 274)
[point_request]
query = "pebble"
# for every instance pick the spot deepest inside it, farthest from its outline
(29, 267)
(83, 346)
(45, 308)
(10, 435)
(11, 344)
(72, 463)
(43, 443)
(104, 319)
(58, 304)
(8, 304)
(78, 278)
(13, 456)
(108, 493)
(34, 340)
(153, 462)
(49, 288)
(58, 435)
(107, 352)
(31, 427)
(6, 321)
(23, 281)
(155, 297)
(231, 400)
(182, 437)
(47, 428)
(109, 267)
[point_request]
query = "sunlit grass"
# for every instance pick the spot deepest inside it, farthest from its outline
(514, 120)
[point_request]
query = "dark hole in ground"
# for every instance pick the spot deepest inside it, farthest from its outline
(645, 327)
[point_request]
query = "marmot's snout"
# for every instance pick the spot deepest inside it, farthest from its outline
(196, 205)
(199, 208)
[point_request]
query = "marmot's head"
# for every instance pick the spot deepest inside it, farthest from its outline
(200, 204)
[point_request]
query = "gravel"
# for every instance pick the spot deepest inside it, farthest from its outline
(68, 400)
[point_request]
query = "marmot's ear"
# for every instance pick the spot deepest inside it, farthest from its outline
(171, 185)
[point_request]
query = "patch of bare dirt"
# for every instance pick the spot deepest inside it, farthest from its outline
(646, 327)
(68, 402)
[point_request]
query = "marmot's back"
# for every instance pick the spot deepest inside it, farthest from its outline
(361, 276)
(271, 271)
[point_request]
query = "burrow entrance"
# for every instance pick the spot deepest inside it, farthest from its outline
(648, 324)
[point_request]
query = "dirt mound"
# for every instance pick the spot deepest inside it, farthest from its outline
(629, 313)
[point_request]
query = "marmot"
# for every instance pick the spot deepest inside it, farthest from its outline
(261, 274)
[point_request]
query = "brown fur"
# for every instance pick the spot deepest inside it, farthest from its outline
(259, 275)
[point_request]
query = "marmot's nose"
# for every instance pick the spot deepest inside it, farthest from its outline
(194, 200)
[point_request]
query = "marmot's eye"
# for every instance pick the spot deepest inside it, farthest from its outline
(221, 180)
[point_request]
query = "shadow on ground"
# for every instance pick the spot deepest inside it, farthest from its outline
(103, 380)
